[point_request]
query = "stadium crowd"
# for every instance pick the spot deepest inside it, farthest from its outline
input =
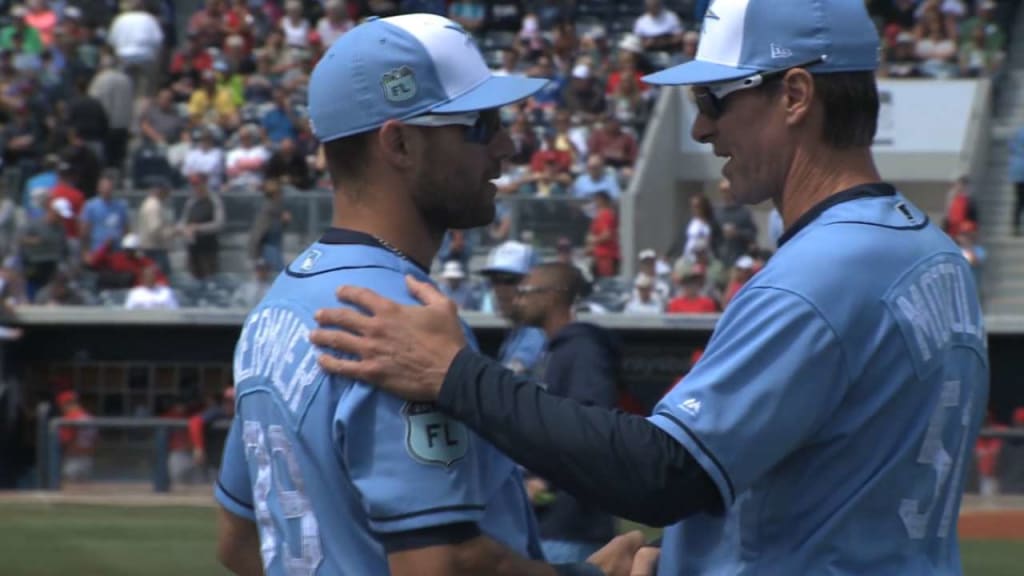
(100, 97)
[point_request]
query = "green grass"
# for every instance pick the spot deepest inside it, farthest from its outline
(61, 540)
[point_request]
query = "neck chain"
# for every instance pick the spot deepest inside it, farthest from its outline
(387, 246)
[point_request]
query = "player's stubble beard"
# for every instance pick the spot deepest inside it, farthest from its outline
(449, 200)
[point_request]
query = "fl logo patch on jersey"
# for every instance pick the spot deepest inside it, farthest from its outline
(431, 437)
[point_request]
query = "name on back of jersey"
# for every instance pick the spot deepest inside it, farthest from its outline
(274, 349)
(935, 306)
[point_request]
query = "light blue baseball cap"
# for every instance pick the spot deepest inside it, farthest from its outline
(741, 38)
(401, 67)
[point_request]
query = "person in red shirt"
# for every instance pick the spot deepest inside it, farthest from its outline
(615, 145)
(123, 268)
(78, 444)
(742, 271)
(960, 210)
(603, 237)
(179, 446)
(64, 188)
(986, 451)
(690, 300)
(208, 442)
(550, 154)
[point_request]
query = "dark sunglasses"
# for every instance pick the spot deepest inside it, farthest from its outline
(479, 127)
(505, 279)
(710, 99)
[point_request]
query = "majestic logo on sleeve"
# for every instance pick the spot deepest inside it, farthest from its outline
(399, 85)
(691, 406)
(431, 437)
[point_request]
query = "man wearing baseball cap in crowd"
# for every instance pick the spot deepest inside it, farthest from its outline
(408, 114)
(507, 265)
(825, 428)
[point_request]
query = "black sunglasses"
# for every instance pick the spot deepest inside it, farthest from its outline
(486, 127)
(710, 99)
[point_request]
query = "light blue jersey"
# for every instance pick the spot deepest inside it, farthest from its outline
(837, 402)
(522, 348)
(323, 464)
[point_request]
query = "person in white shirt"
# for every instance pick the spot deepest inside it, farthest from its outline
(294, 25)
(155, 226)
(659, 29)
(205, 158)
(334, 22)
(644, 300)
(137, 39)
(245, 161)
(648, 264)
(149, 295)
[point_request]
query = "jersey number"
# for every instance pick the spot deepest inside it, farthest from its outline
(295, 507)
(934, 454)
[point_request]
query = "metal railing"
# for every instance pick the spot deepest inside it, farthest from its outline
(49, 457)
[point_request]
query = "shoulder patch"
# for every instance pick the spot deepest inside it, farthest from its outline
(431, 437)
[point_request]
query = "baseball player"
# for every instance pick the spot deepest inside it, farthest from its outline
(507, 266)
(325, 475)
(827, 426)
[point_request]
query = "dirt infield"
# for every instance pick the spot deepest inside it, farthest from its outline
(1000, 518)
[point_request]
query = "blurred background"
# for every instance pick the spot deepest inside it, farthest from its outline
(157, 171)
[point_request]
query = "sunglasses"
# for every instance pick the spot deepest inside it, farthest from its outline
(480, 127)
(710, 98)
(527, 289)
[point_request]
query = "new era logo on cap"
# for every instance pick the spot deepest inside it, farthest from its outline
(740, 38)
(401, 67)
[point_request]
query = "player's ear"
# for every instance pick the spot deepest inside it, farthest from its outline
(798, 95)
(397, 143)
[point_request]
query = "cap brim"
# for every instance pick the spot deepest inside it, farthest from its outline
(697, 72)
(502, 270)
(495, 92)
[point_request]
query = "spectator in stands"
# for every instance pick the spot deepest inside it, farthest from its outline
(977, 57)
(456, 287)
(288, 167)
(155, 226)
(583, 96)
(245, 162)
(121, 266)
(43, 19)
(78, 443)
(19, 28)
(960, 208)
(648, 264)
(213, 102)
(104, 218)
(65, 188)
(901, 57)
(113, 89)
(207, 23)
(551, 154)
(985, 19)
(936, 49)
(551, 181)
(45, 179)
(603, 237)
(737, 224)
(524, 140)
(548, 98)
(12, 286)
(507, 265)
(151, 294)
(44, 247)
(294, 25)
(84, 163)
(138, 41)
(208, 431)
(334, 23)
(23, 138)
(702, 229)
(249, 293)
(509, 63)
(976, 255)
(1016, 168)
(986, 452)
(160, 123)
(644, 299)
(59, 292)
(266, 239)
(598, 177)
(88, 118)
(504, 15)
(691, 298)
(205, 159)
(626, 101)
(659, 28)
(469, 14)
(615, 145)
(712, 270)
(742, 272)
(201, 222)
(279, 121)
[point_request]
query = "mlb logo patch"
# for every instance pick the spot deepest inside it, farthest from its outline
(399, 85)
(310, 260)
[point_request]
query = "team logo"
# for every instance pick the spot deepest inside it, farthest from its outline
(780, 52)
(399, 85)
(310, 260)
(431, 437)
(691, 406)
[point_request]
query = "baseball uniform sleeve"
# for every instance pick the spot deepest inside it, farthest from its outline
(233, 490)
(413, 467)
(772, 373)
